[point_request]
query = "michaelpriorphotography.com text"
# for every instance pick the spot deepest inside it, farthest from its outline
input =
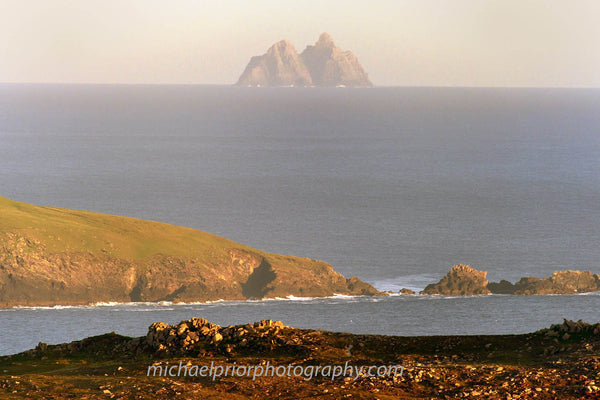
(307, 372)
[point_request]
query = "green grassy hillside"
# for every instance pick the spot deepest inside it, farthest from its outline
(52, 255)
(62, 229)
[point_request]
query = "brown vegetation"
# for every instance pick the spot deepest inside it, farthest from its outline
(557, 363)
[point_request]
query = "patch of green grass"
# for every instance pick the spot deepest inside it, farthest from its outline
(60, 230)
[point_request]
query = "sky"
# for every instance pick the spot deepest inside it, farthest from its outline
(516, 43)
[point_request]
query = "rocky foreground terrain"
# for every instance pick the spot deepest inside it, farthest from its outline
(561, 362)
(464, 280)
(52, 256)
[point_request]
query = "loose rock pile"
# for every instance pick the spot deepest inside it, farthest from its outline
(197, 334)
(569, 327)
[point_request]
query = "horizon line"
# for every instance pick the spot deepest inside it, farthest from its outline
(299, 87)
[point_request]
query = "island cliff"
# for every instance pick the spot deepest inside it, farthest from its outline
(279, 66)
(51, 256)
(323, 64)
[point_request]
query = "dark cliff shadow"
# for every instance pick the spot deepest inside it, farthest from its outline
(256, 285)
(137, 293)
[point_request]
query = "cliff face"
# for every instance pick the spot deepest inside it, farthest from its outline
(330, 66)
(323, 64)
(52, 256)
(280, 66)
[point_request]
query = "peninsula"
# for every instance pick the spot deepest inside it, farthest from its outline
(55, 256)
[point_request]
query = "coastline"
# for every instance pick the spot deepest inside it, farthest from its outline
(436, 315)
(289, 298)
(183, 303)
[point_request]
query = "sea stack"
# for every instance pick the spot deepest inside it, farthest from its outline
(330, 66)
(460, 280)
(323, 65)
(279, 66)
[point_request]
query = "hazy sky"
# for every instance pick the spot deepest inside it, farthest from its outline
(408, 43)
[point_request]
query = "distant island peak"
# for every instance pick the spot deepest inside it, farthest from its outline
(322, 64)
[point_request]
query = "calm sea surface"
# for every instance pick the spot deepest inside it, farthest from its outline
(393, 185)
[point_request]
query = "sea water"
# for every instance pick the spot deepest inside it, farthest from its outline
(393, 185)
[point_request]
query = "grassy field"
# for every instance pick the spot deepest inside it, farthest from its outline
(62, 229)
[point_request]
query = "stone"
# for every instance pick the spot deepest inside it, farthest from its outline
(217, 338)
(198, 322)
(502, 287)
(204, 331)
(41, 347)
(182, 329)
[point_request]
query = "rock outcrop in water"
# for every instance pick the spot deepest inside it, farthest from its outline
(464, 280)
(561, 282)
(460, 280)
(323, 64)
(51, 256)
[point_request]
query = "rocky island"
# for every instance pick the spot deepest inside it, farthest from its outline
(321, 65)
(51, 256)
(464, 280)
(559, 362)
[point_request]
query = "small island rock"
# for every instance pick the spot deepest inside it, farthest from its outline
(461, 280)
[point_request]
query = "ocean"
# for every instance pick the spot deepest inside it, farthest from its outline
(393, 185)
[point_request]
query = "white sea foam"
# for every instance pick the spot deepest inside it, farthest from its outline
(294, 298)
(414, 282)
(343, 296)
(383, 285)
(57, 307)
(108, 304)
(168, 305)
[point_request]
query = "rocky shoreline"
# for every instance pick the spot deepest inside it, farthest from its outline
(464, 280)
(52, 256)
(560, 362)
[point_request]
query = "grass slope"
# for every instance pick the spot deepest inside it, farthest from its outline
(52, 255)
(62, 229)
